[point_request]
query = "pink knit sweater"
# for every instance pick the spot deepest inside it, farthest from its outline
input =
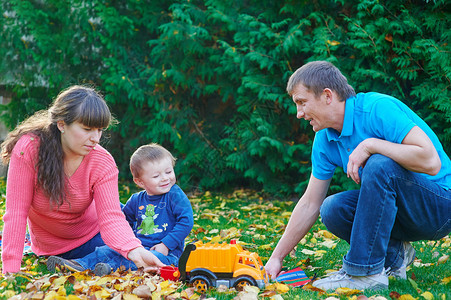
(94, 206)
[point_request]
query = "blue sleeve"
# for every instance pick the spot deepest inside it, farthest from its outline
(322, 166)
(389, 121)
(183, 214)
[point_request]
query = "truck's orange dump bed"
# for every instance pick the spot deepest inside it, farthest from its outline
(218, 258)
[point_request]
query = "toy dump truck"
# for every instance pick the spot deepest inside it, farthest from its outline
(206, 265)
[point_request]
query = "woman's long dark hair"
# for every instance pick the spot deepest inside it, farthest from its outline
(75, 104)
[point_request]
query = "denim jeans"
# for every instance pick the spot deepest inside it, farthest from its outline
(393, 205)
(84, 249)
(107, 255)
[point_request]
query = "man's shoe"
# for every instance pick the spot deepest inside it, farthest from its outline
(59, 263)
(102, 269)
(341, 279)
(409, 256)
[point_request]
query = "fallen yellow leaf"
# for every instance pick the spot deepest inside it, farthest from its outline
(406, 297)
(61, 291)
(59, 281)
(8, 294)
(73, 297)
(347, 291)
(278, 287)
(131, 297)
(52, 295)
(326, 234)
(309, 287)
(215, 239)
(446, 280)
(102, 294)
(265, 247)
(428, 296)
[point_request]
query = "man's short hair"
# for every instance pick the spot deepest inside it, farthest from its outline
(148, 153)
(318, 75)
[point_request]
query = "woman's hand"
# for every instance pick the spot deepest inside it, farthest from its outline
(161, 248)
(146, 259)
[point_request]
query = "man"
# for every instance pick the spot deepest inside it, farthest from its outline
(403, 172)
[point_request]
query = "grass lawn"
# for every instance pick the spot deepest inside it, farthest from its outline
(257, 224)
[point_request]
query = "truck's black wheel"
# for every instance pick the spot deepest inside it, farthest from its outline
(201, 283)
(244, 281)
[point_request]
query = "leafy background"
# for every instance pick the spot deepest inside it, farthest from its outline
(206, 78)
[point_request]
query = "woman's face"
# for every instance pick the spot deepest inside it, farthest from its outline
(78, 139)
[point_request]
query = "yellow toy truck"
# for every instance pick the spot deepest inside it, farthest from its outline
(208, 264)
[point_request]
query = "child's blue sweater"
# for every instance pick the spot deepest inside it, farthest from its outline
(169, 221)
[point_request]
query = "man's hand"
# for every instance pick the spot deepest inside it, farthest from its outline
(273, 268)
(161, 248)
(416, 153)
(303, 217)
(146, 259)
(358, 159)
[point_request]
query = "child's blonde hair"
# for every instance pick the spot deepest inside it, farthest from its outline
(148, 153)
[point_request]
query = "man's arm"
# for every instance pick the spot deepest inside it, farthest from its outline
(302, 219)
(416, 153)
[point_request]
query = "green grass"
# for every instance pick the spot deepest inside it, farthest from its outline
(258, 223)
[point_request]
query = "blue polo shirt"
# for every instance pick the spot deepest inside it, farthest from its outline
(371, 115)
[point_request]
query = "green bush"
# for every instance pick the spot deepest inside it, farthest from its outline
(206, 78)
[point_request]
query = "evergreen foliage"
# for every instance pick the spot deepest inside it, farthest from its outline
(206, 78)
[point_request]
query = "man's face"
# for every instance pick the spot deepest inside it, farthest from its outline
(309, 107)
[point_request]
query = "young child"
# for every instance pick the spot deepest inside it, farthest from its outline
(160, 216)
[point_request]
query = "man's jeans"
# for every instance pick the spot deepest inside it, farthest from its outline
(393, 205)
(107, 255)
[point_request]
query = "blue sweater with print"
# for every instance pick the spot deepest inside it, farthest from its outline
(166, 218)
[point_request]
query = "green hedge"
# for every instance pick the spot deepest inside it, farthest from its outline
(206, 78)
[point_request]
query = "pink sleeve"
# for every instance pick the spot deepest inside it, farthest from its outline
(19, 194)
(115, 230)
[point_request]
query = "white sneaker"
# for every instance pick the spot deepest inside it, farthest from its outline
(409, 256)
(341, 279)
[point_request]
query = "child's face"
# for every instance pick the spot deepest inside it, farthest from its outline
(156, 177)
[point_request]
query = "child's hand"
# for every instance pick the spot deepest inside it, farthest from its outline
(161, 248)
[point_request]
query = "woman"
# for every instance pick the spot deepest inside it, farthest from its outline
(65, 185)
